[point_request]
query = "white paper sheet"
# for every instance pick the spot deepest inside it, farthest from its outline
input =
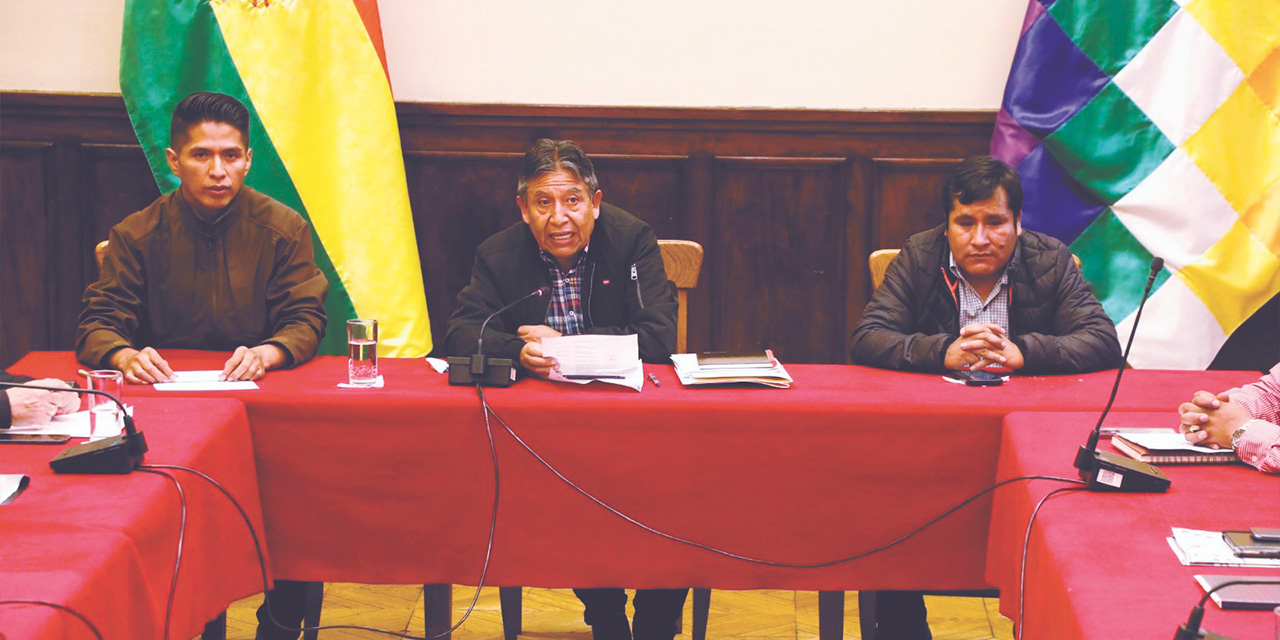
(1197, 547)
(203, 381)
(75, 425)
(11, 484)
(596, 358)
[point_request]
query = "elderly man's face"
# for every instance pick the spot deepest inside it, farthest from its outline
(560, 212)
(211, 164)
(982, 235)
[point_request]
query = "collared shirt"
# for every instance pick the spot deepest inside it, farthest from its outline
(564, 314)
(994, 309)
(1260, 446)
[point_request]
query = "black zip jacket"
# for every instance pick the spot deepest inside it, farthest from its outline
(624, 289)
(1054, 318)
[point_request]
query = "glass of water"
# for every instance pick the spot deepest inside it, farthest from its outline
(104, 413)
(362, 349)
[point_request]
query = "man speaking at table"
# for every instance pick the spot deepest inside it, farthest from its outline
(211, 265)
(605, 275)
(980, 292)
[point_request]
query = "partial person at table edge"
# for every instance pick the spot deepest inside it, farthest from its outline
(605, 273)
(979, 292)
(211, 265)
(1246, 419)
(21, 406)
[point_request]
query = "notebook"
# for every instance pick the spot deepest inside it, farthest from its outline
(1168, 447)
(1258, 597)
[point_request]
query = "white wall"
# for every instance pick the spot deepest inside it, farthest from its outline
(850, 54)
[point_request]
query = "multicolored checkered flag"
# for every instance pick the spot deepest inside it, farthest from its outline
(1152, 128)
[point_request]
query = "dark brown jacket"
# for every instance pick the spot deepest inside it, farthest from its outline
(172, 279)
(1054, 318)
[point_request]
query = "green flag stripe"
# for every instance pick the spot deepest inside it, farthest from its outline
(1110, 145)
(1111, 33)
(1115, 264)
(172, 48)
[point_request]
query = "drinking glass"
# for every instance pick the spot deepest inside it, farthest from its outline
(104, 413)
(362, 349)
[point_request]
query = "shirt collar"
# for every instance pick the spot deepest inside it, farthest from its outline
(554, 265)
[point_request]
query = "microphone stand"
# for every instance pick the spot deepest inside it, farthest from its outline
(1106, 471)
(484, 371)
(115, 455)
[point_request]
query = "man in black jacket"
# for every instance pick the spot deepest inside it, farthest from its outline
(606, 277)
(979, 293)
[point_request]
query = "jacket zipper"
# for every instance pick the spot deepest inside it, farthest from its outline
(635, 279)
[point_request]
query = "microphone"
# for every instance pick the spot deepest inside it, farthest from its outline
(116, 455)
(489, 372)
(1105, 471)
(1191, 629)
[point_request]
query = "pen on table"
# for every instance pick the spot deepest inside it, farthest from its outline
(654, 380)
(594, 377)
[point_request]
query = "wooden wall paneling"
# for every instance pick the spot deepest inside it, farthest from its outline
(26, 206)
(908, 198)
(699, 202)
(858, 238)
(778, 265)
(458, 200)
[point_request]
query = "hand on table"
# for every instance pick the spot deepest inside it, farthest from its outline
(252, 363)
(141, 367)
(39, 406)
(981, 344)
(1209, 420)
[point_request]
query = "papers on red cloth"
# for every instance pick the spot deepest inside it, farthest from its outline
(690, 373)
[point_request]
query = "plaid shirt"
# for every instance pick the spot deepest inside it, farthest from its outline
(995, 309)
(564, 314)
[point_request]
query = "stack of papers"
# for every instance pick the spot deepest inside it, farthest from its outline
(690, 373)
(1196, 547)
(203, 381)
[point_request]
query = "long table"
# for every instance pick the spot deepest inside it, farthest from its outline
(394, 485)
(1098, 565)
(105, 545)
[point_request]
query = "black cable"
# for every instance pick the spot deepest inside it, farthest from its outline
(735, 556)
(1026, 541)
(493, 523)
(182, 534)
(97, 634)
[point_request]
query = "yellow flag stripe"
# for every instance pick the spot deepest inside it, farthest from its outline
(319, 87)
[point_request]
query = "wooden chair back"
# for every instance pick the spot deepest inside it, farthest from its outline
(683, 261)
(100, 253)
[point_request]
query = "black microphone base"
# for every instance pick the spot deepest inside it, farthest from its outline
(1185, 634)
(1111, 472)
(490, 372)
(115, 455)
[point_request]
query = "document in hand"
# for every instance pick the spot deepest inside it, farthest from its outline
(586, 358)
(690, 373)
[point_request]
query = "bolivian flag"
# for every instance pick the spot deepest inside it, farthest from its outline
(323, 128)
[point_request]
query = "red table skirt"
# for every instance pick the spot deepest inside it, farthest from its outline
(1098, 565)
(106, 545)
(395, 485)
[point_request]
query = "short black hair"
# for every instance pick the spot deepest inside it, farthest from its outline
(549, 156)
(977, 178)
(207, 106)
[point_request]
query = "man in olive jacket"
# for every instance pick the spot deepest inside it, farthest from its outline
(979, 293)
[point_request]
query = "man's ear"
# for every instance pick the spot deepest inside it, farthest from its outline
(1017, 225)
(248, 159)
(524, 209)
(595, 204)
(171, 157)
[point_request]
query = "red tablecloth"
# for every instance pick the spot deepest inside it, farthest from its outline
(1098, 565)
(105, 545)
(394, 485)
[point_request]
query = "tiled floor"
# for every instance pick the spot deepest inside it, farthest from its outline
(754, 615)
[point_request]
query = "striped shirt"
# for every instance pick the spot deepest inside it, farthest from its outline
(973, 308)
(1260, 444)
(564, 314)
